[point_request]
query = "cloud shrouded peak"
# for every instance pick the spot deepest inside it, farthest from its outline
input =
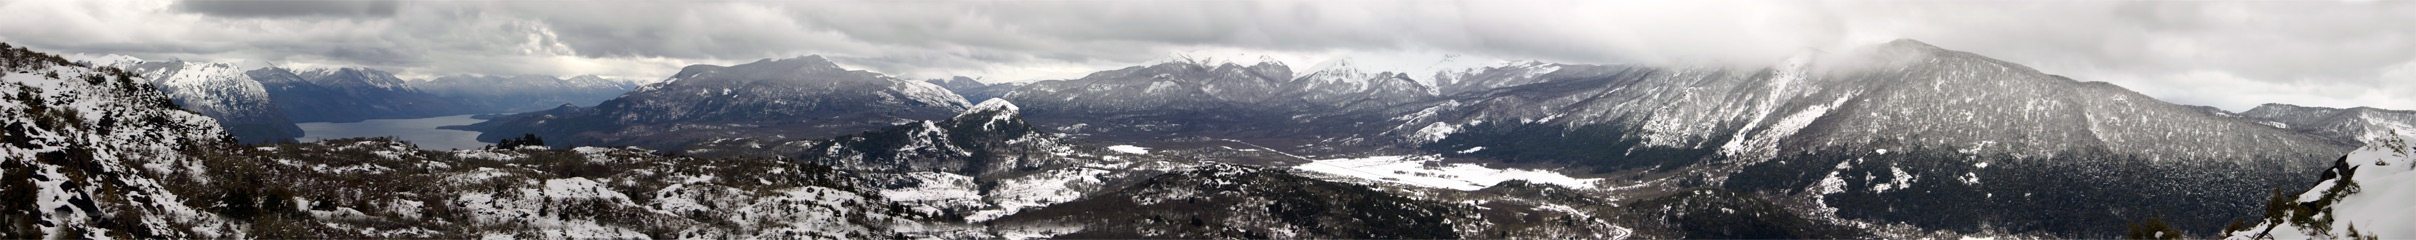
(2229, 54)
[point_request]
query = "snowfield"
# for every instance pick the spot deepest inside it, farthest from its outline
(1427, 171)
(1129, 149)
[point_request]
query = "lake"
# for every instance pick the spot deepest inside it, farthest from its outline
(421, 131)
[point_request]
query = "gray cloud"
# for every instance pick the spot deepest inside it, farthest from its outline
(2226, 54)
(291, 8)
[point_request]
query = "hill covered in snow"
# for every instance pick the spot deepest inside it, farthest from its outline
(2366, 194)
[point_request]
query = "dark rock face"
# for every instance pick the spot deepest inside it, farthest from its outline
(799, 98)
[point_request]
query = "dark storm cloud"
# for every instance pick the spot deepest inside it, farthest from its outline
(290, 8)
(2230, 54)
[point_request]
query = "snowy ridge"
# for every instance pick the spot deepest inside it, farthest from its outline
(773, 99)
(79, 144)
(107, 60)
(1902, 93)
(2366, 194)
(2356, 125)
(998, 111)
(355, 77)
(1765, 146)
(221, 91)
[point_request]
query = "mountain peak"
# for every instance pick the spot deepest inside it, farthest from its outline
(109, 60)
(994, 116)
(2276, 106)
(1908, 43)
(807, 61)
(994, 104)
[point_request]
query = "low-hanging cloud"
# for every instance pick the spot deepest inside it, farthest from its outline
(2232, 55)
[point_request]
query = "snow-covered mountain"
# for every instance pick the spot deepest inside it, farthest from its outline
(513, 94)
(218, 90)
(242, 99)
(786, 99)
(975, 90)
(1456, 81)
(1169, 95)
(1267, 99)
(1899, 95)
(350, 94)
(1900, 133)
(2364, 195)
(2352, 125)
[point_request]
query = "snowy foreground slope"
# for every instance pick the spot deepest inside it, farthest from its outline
(2369, 193)
(95, 152)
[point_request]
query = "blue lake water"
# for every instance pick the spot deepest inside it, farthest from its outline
(422, 131)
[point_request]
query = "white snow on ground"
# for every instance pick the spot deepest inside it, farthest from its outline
(1426, 171)
(933, 191)
(1434, 132)
(1042, 189)
(2385, 174)
(1129, 149)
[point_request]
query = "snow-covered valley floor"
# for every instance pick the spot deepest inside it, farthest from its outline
(1428, 171)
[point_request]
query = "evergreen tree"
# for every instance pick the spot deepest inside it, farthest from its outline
(2154, 228)
(523, 140)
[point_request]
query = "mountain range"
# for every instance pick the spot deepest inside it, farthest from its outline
(1902, 133)
(1896, 140)
(242, 106)
(244, 100)
(784, 99)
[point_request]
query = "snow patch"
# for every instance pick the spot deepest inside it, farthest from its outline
(1129, 149)
(1472, 150)
(1434, 132)
(1428, 171)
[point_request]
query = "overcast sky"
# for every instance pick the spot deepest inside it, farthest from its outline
(2232, 55)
